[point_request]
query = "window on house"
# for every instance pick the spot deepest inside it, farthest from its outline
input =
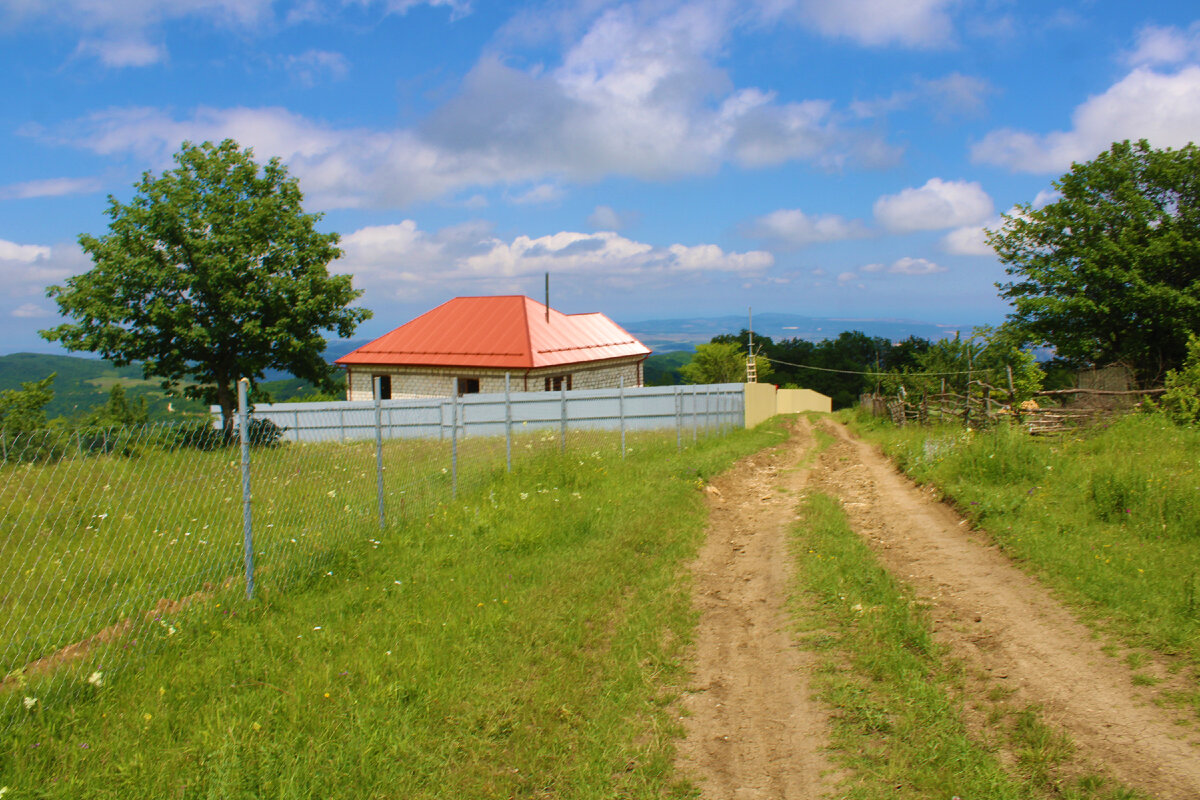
(555, 383)
(385, 386)
(468, 386)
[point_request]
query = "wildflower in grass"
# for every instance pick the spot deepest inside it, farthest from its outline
(524, 495)
(96, 679)
(147, 716)
(30, 702)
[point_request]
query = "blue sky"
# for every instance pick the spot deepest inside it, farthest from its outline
(659, 158)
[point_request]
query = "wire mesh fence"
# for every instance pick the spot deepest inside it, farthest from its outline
(107, 537)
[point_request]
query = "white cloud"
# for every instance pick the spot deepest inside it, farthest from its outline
(27, 269)
(905, 266)
(638, 94)
(846, 277)
(912, 23)
(1163, 108)
(119, 32)
(604, 218)
(31, 311)
(400, 257)
(315, 66)
(969, 240)
(50, 187)
(122, 51)
(1045, 197)
(949, 96)
(537, 195)
(25, 253)
(1165, 46)
(936, 205)
(791, 227)
(915, 266)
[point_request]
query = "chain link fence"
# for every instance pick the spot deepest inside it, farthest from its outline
(108, 536)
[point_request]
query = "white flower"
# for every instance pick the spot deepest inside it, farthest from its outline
(30, 702)
(96, 679)
(331, 493)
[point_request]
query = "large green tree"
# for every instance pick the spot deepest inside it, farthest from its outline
(721, 362)
(1110, 272)
(212, 273)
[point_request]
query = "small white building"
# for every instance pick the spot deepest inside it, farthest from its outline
(478, 340)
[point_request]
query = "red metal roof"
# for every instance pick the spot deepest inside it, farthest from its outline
(509, 332)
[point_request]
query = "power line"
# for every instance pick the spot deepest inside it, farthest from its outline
(877, 373)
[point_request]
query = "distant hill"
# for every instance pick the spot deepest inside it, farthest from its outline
(81, 384)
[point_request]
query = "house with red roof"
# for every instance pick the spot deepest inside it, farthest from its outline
(478, 340)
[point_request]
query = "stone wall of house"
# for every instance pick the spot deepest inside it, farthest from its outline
(419, 382)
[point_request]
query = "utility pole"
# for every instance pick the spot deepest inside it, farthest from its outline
(751, 367)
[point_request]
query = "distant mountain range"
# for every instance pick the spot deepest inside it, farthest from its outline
(666, 335)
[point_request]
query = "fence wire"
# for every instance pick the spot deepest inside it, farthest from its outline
(108, 536)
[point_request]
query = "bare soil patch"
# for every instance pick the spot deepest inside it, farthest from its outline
(753, 731)
(1014, 636)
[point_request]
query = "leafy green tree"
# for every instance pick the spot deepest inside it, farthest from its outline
(24, 410)
(721, 362)
(1110, 272)
(212, 273)
(118, 411)
(1181, 401)
(983, 358)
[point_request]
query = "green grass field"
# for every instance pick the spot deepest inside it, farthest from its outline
(522, 641)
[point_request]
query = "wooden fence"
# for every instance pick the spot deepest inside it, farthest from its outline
(1045, 414)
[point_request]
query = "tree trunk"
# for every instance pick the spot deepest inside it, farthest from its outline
(228, 402)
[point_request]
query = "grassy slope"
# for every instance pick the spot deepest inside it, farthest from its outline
(522, 642)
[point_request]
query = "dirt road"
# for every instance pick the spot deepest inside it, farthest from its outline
(755, 732)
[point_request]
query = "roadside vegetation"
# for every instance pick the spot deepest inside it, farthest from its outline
(1108, 516)
(525, 640)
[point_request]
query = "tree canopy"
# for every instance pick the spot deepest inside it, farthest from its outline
(211, 273)
(1110, 271)
(722, 362)
(24, 410)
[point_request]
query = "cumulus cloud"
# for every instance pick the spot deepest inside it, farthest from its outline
(1161, 107)
(638, 94)
(1165, 46)
(875, 23)
(936, 205)
(969, 240)
(791, 227)
(402, 257)
(27, 269)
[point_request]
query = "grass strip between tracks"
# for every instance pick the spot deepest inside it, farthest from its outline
(900, 728)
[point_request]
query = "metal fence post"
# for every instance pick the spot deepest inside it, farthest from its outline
(379, 447)
(707, 412)
(621, 407)
(563, 402)
(678, 420)
(508, 421)
(454, 441)
(247, 533)
(695, 415)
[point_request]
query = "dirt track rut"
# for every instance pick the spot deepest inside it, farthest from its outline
(754, 730)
